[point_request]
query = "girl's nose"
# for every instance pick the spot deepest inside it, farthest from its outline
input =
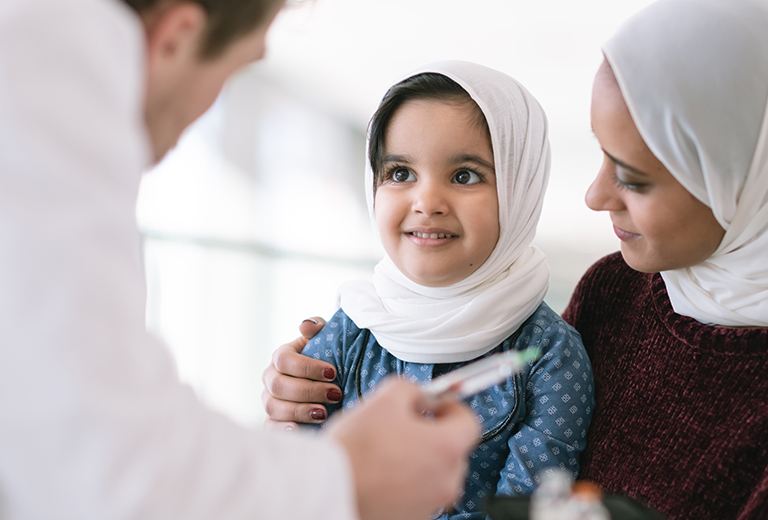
(602, 194)
(429, 198)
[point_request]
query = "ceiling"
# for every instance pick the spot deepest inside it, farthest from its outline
(347, 52)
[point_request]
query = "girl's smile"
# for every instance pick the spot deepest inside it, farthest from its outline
(431, 237)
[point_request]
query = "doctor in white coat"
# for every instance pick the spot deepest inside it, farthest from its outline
(93, 420)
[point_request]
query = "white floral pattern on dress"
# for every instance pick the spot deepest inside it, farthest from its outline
(533, 421)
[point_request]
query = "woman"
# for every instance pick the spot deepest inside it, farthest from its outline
(679, 111)
(677, 324)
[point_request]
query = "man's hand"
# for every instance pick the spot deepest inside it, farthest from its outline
(295, 386)
(405, 465)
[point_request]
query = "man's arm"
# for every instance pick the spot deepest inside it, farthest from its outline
(94, 421)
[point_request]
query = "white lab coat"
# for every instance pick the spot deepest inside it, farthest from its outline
(94, 423)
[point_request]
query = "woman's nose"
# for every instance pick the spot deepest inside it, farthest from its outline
(602, 194)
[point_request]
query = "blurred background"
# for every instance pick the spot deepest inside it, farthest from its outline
(258, 215)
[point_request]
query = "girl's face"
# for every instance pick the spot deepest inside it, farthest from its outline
(436, 206)
(660, 224)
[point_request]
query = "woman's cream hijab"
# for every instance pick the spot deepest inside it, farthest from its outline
(465, 320)
(694, 74)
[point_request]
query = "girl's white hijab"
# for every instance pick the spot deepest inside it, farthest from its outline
(694, 74)
(467, 319)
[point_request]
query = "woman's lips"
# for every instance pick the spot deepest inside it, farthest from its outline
(625, 235)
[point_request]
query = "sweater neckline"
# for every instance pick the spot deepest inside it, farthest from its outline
(748, 341)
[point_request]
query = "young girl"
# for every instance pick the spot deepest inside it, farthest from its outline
(458, 164)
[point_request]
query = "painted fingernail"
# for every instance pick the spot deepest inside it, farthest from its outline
(334, 394)
(318, 414)
(310, 320)
(329, 374)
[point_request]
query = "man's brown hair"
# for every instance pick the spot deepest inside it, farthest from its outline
(227, 19)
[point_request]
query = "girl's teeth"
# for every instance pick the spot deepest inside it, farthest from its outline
(430, 235)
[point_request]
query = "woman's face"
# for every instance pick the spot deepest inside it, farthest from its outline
(660, 224)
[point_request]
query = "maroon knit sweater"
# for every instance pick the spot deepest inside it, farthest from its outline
(682, 408)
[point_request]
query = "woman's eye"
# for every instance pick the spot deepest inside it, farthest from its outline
(467, 177)
(623, 183)
(401, 175)
(627, 185)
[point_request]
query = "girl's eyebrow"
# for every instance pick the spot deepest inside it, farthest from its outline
(396, 158)
(468, 157)
(456, 159)
(625, 165)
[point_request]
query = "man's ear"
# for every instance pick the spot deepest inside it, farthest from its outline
(175, 35)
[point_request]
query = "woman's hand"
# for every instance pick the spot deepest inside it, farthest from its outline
(295, 386)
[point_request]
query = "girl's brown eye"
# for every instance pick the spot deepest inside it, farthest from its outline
(401, 175)
(466, 177)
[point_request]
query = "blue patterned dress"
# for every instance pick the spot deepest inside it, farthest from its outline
(531, 421)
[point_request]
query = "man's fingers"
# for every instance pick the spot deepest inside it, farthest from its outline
(426, 454)
(311, 326)
(457, 421)
(456, 487)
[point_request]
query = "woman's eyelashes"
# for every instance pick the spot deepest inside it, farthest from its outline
(624, 180)
(629, 186)
(625, 177)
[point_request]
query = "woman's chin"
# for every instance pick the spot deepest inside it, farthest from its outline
(638, 261)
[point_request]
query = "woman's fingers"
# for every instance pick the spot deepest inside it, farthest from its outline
(311, 326)
(289, 361)
(288, 411)
(285, 426)
(295, 386)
